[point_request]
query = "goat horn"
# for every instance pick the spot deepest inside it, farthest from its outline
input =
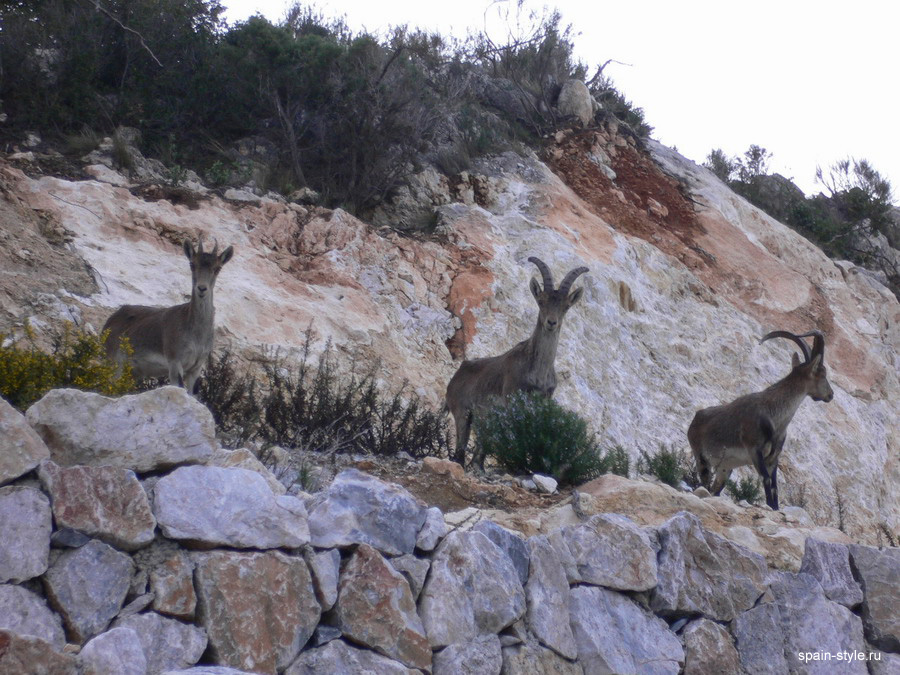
(790, 336)
(215, 250)
(818, 342)
(570, 279)
(545, 272)
(200, 243)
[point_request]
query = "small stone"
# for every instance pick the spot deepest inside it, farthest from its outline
(544, 484)
(433, 530)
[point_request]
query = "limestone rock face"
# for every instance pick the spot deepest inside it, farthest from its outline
(608, 550)
(472, 589)
(547, 596)
(878, 571)
(481, 656)
(25, 526)
(258, 609)
(709, 650)
(830, 565)
(21, 449)
(144, 432)
(25, 613)
(167, 644)
(116, 651)
(106, 502)
(614, 635)
(228, 507)
(375, 607)
(359, 509)
(87, 586)
(339, 657)
(701, 572)
(28, 654)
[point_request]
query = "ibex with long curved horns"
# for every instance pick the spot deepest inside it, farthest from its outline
(751, 429)
(528, 366)
(172, 342)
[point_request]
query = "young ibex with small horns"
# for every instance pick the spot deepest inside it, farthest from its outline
(172, 342)
(751, 429)
(528, 366)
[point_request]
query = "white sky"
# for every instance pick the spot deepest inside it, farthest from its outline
(811, 81)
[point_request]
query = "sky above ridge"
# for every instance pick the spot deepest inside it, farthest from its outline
(813, 82)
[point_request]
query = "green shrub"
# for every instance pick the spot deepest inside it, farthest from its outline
(747, 488)
(530, 433)
(78, 360)
(667, 464)
(616, 461)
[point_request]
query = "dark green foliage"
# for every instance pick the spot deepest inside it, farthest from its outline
(615, 461)
(301, 405)
(530, 433)
(746, 489)
(667, 464)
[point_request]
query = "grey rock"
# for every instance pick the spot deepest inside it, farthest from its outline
(701, 572)
(325, 567)
(878, 572)
(759, 640)
(830, 565)
(68, 538)
(472, 589)
(510, 543)
(575, 101)
(614, 635)
(359, 509)
(533, 659)
(414, 569)
(87, 586)
(144, 432)
(883, 663)
(21, 449)
(339, 657)
(116, 651)
(208, 670)
(25, 526)
(480, 656)
(228, 507)
(544, 484)
(608, 550)
(168, 644)
(432, 531)
(324, 634)
(547, 597)
(709, 650)
(26, 613)
(21, 654)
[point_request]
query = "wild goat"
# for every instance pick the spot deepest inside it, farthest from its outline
(751, 429)
(172, 342)
(528, 366)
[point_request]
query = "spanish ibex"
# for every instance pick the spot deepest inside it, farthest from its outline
(172, 342)
(528, 366)
(751, 429)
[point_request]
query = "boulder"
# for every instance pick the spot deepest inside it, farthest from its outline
(339, 657)
(25, 526)
(21, 654)
(172, 586)
(87, 586)
(709, 650)
(414, 570)
(701, 572)
(759, 640)
(434, 529)
(547, 598)
(228, 507)
(106, 502)
(480, 656)
(21, 449)
(575, 101)
(375, 608)
(116, 651)
(359, 509)
(25, 613)
(830, 565)
(168, 644)
(878, 572)
(472, 589)
(510, 543)
(615, 635)
(144, 432)
(608, 550)
(544, 484)
(242, 458)
(258, 609)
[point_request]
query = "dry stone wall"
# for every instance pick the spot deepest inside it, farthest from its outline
(187, 566)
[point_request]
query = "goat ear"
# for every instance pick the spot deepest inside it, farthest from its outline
(795, 360)
(535, 288)
(575, 296)
(188, 249)
(225, 255)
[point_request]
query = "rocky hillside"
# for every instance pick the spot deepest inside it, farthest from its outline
(684, 278)
(130, 543)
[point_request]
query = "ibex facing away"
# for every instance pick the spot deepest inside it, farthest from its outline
(172, 342)
(751, 429)
(528, 366)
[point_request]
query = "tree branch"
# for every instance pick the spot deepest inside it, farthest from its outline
(140, 37)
